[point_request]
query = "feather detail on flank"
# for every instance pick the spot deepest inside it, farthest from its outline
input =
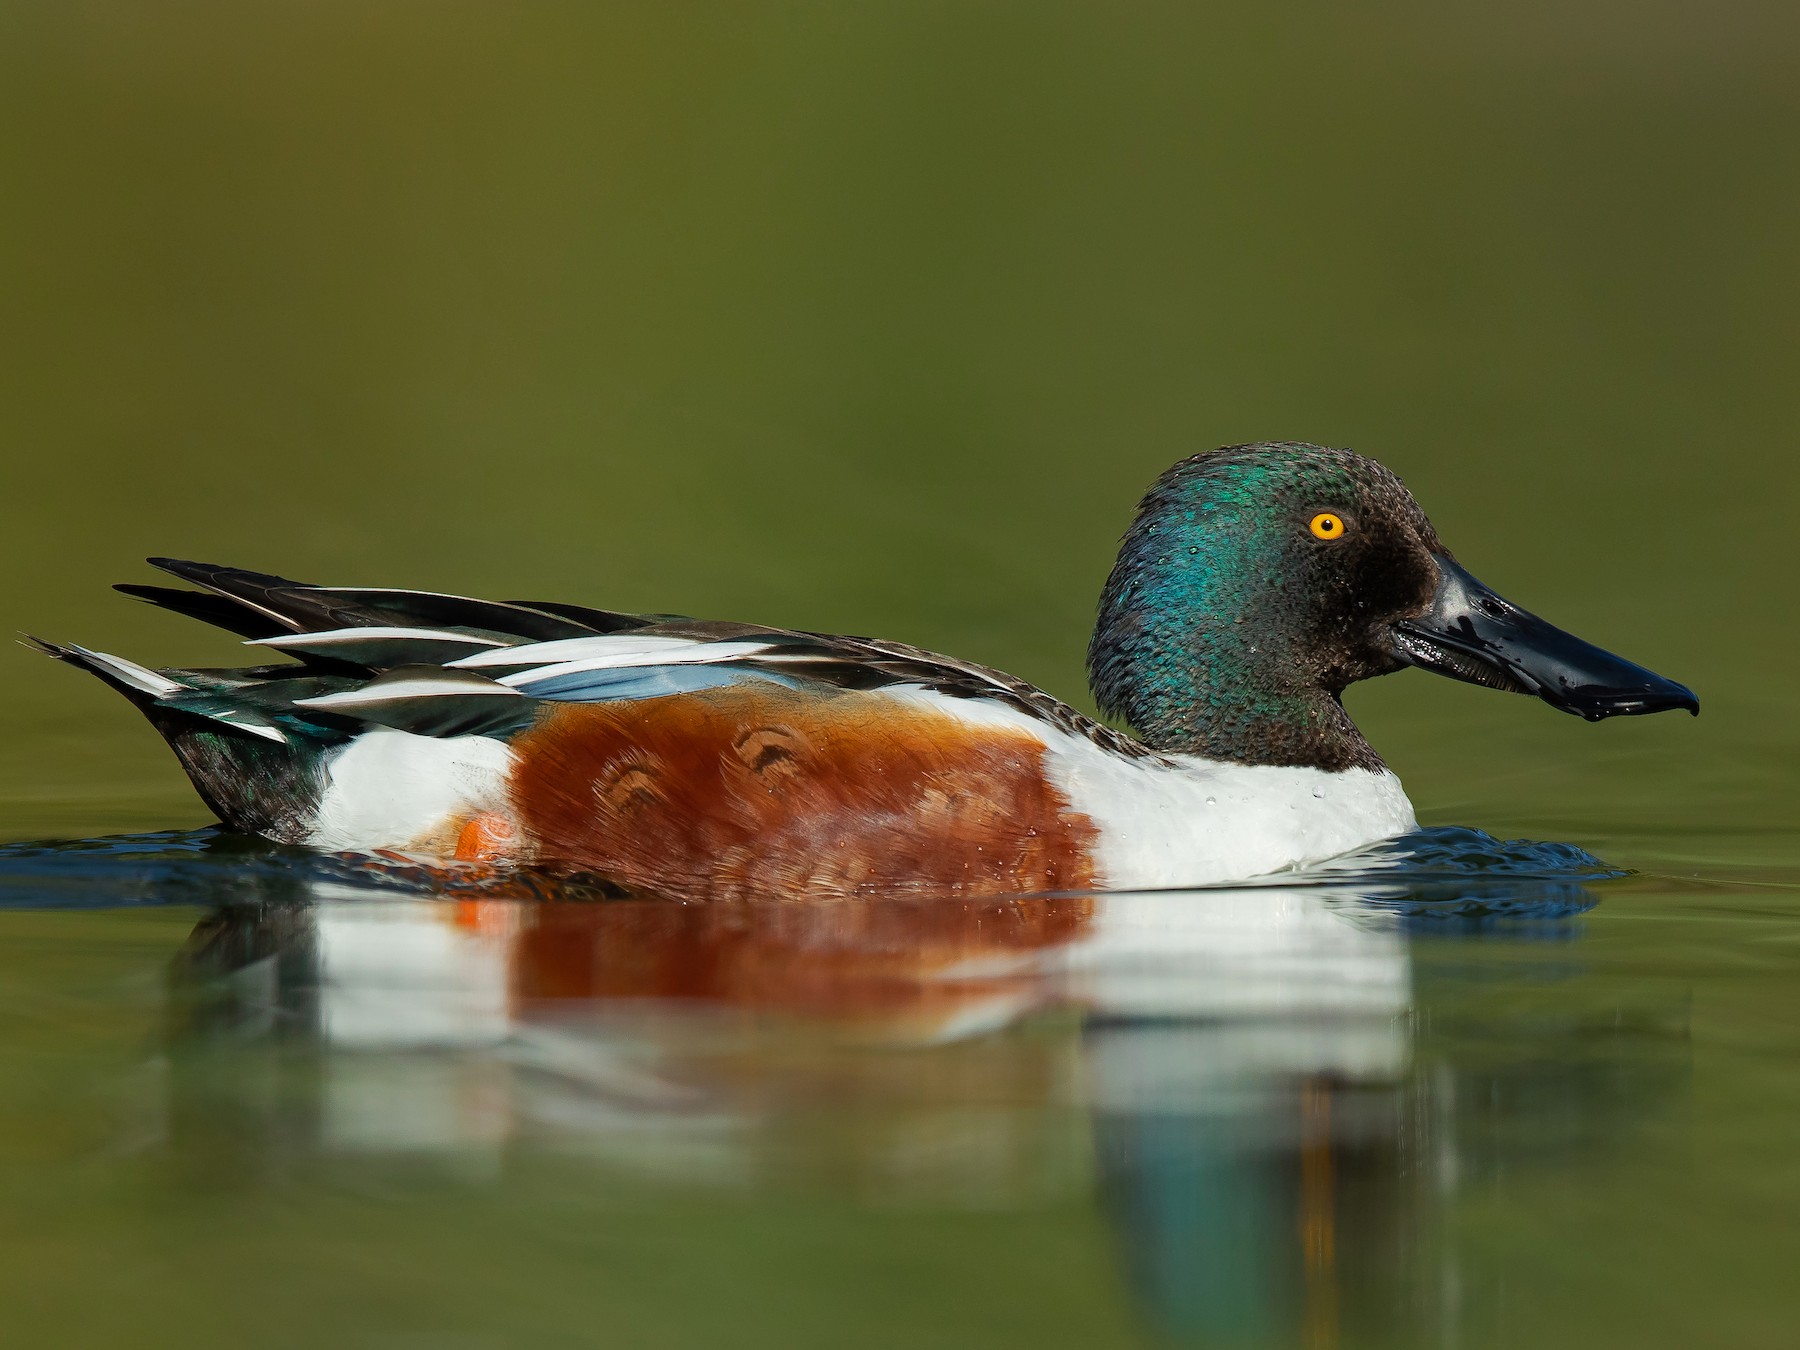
(758, 790)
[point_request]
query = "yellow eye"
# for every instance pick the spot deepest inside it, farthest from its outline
(1327, 525)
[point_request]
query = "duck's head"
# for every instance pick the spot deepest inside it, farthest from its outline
(1258, 581)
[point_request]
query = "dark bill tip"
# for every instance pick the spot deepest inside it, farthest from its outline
(1470, 633)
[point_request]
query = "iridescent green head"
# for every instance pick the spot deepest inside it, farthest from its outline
(1257, 582)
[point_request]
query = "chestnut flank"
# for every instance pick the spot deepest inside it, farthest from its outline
(760, 791)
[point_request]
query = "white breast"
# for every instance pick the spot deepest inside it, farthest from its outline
(1196, 822)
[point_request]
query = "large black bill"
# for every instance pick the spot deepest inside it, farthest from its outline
(1469, 633)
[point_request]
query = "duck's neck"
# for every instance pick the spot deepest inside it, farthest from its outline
(1242, 724)
(1170, 659)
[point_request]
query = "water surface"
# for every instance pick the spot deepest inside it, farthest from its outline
(1454, 1092)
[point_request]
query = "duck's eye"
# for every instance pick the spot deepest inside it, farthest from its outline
(1327, 525)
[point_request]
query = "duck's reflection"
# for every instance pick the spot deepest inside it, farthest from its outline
(1245, 1076)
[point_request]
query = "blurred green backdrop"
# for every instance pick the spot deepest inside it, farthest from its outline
(878, 317)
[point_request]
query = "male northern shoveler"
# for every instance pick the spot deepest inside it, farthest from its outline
(710, 760)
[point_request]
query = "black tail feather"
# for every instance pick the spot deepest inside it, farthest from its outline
(598, 620)
(300, 607)
(274, 598)
(352, 607)
(221, 611)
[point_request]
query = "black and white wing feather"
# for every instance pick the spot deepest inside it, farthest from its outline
(445, 665)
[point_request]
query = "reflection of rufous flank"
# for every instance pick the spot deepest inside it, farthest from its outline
(877, 959)
(755, 791)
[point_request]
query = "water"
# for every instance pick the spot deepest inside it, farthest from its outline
(878, 320)
(1451, 1092)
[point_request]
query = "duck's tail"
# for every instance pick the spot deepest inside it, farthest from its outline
(252, 773)
(257, 741)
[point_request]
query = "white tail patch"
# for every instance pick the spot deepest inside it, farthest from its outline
(388, 789)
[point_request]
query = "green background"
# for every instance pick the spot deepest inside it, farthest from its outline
(879, 318)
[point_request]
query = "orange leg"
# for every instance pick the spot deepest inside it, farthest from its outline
(488, 837)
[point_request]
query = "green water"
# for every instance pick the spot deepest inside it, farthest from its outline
(878, 318)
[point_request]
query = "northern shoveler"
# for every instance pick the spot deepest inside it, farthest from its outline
(710, 760)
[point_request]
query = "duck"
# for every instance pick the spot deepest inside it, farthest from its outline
(704, 760)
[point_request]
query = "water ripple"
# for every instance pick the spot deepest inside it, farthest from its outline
(1441, 873)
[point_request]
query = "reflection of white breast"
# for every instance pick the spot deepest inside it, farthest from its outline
(1206, 996)
(1201, 996)
(1257, 952)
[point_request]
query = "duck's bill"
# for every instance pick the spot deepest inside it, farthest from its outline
(1472, 634)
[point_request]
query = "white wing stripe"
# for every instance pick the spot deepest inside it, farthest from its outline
(130, 672)
(353, 636)
(398, 690)
(243, 722)
(577, 649)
